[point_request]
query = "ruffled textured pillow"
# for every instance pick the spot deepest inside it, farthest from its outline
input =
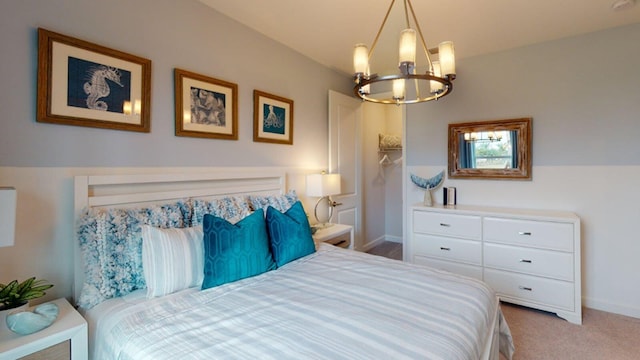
(111, 246)
(279, 202)
(232, 209)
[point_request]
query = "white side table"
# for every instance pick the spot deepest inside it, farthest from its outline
(66, 338)
(337, 234)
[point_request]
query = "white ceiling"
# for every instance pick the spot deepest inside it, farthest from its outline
(327, 30)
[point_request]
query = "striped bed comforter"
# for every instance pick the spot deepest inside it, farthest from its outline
(333, 304)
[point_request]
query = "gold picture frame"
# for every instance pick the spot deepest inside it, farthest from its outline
(205, 107)
(272, 118)
(84, 84)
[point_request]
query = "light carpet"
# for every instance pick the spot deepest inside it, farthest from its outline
(540, 335)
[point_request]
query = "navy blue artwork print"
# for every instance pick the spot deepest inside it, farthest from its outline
(273, 119)
(207, 107)
(96, 86)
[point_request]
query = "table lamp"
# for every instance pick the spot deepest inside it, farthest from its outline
(323, 186)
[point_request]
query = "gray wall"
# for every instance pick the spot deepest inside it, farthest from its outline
(582, 93)
(172, 33)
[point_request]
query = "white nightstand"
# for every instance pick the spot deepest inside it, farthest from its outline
(336, 234)
(66, 338)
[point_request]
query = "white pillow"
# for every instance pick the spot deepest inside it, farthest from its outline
(172, 259)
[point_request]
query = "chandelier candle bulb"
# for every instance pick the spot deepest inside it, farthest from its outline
(407, 52)
(367, 88)
(447, 58)
(436, 86)
(361, 59)
(398, 89)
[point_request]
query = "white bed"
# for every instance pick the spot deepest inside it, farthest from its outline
(332, 304)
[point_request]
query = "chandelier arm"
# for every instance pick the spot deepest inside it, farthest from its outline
(424, 44)
(375, 41)
(406, 14)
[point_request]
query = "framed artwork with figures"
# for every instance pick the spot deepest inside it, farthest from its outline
(205, 107)
(85, 84)
(272, 118)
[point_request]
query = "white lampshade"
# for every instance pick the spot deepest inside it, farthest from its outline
(436, 85)
(398, 89)
(323, 185)
(8, 201)
(361, 59)
(447, 58)
(407, 49)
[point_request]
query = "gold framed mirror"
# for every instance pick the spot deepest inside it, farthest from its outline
(497, 149)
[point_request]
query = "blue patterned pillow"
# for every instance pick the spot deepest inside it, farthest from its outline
(111, 246)
(279, 202)
(232, 209)
(289, 234)
(235, 251)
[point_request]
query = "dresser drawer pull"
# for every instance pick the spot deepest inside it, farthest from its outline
(445, 225)
(445, 248)
(525, 288)
(524, 233)
(525, 261)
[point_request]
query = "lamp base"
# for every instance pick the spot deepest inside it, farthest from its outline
(325, 223)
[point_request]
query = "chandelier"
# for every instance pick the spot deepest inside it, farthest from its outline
(491, 136)
(409, 86)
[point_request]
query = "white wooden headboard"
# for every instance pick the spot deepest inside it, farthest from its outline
(135, 190)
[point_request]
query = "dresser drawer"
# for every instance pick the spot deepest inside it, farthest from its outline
(468, 251)
(450, 266)
(546, 235)
(553, 264)
(465, 226)
(556, 293)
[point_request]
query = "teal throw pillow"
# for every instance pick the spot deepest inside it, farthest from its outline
(289, 234)
(235, 251)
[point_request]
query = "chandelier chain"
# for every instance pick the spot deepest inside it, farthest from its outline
(424, 43)
(375, 41)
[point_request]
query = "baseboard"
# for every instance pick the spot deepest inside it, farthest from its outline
(611, 307)
(373, 243)
(395, 239)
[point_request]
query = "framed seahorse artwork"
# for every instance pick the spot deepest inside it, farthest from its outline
(85, 84)
(205, 107)
(272, 118)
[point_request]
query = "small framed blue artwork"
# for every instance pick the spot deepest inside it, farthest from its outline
(205, 107)
(272, 118)
(84, 84)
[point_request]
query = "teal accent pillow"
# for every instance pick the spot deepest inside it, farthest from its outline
(289, 234)
(235, 251)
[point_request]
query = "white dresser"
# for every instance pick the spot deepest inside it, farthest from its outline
(530, 257)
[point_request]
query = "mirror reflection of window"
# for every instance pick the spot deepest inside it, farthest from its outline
(488, 150)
